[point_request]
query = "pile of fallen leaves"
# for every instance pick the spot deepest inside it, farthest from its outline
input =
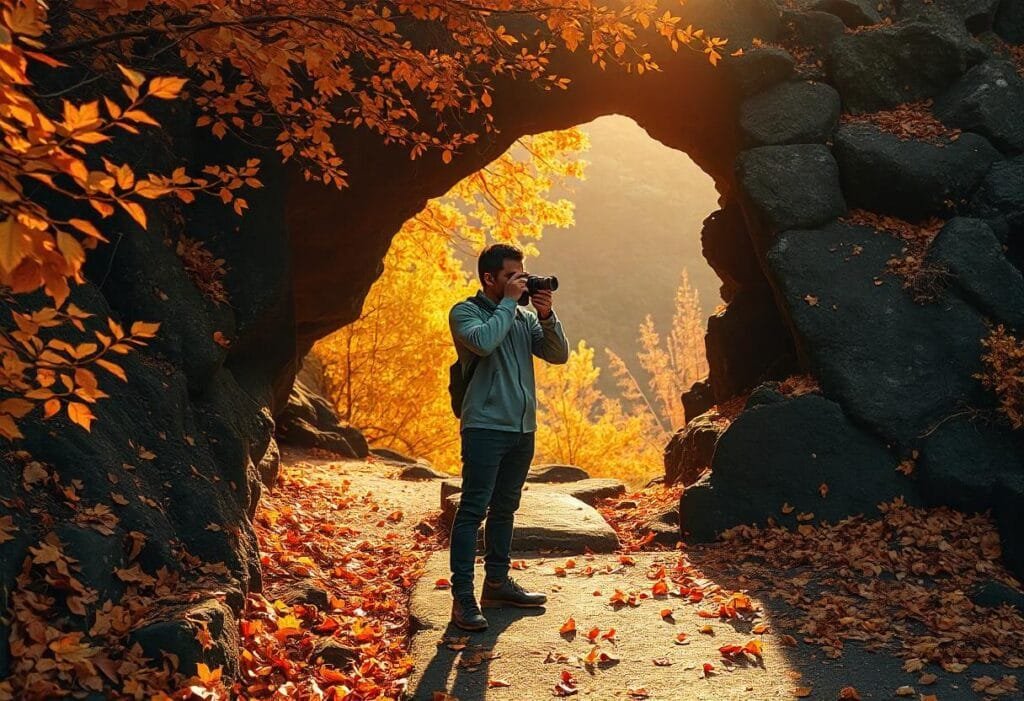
(1017, 57)
(911, 120)
(64, 637)
(315, 530)
(629, 515)
(924, 281)
(898, 583)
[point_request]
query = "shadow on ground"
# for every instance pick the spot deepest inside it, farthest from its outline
(531, 654)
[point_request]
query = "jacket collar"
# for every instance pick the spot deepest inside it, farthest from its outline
(491, 306)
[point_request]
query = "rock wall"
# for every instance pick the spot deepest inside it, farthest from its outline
(186, 441)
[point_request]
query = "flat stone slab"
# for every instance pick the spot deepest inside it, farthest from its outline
(586, 490)
(551, 521)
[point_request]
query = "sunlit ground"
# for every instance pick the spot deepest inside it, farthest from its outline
(820, 595)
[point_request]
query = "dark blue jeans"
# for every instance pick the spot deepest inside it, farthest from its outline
(494, 467)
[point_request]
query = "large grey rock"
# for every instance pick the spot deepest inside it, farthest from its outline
(746, 343)
(911, 179)
(883, 67)
(792, 186)
(556, 473)
(853, 13)
(173, 629)
(970, 251)
(812, 29)
(895, 366)
(549, 520)
(589, 490)
(790, 113)
(420, 471)
(782, 453)
(962, 463)
(999, 200)
(760, 68)
(977, 15)
(689, 451)
(727, 246)
(270, 464)
(309, 421)
(988, 100)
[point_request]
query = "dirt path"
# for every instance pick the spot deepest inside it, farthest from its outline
(805, 606)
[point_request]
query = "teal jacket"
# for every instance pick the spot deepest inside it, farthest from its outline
(502, 393)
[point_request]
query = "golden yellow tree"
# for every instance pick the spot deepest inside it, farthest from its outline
(672, 367)
(577, 424)
(387, 373)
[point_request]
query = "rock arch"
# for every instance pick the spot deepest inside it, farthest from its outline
(189, 438)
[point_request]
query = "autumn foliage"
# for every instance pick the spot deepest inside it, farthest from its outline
(1003, 361)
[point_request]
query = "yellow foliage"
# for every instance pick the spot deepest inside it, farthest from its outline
(578, 425)
(671, 368)
(387, 373)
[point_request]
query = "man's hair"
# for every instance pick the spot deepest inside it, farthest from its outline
(493, 258)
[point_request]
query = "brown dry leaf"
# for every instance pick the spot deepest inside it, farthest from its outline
(849, 693)
(905, 691)
(802, 692)
(498, 683)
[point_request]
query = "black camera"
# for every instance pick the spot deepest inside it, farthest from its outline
(535, 283)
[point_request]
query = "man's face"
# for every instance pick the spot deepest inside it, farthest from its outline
(498, 281)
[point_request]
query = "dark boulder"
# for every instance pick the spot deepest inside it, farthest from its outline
(853, 13)
(1009, 21)
(307, 593)
(173, 630)
(790, 113)
(811, 29)
(764, 394)
(747, 343)
(726, 245)
(895, 366)
(993, 594)
(698, 399)
(758, 69)
(962, 463)
(269, 465)
(791, 186)
(416, 472)
(556, 473)
(309, 421)
(331, 651)
(970, 251)
(911, 179)
(999, 200)
(884, 67)
(988, 100)
(782, 453)
(977, 15)
(689, 451)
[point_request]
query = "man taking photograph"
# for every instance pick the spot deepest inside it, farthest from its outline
(495, 339)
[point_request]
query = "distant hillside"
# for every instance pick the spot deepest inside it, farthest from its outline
(638, 221)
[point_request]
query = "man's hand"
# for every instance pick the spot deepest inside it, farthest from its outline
(516, 286)
(542, 303)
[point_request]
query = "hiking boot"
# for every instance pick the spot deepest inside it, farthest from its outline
(509, 593)
(466, 613)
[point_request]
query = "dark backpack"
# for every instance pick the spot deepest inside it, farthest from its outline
(458, 382)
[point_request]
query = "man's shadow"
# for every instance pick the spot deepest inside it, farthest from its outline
(470, 681)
